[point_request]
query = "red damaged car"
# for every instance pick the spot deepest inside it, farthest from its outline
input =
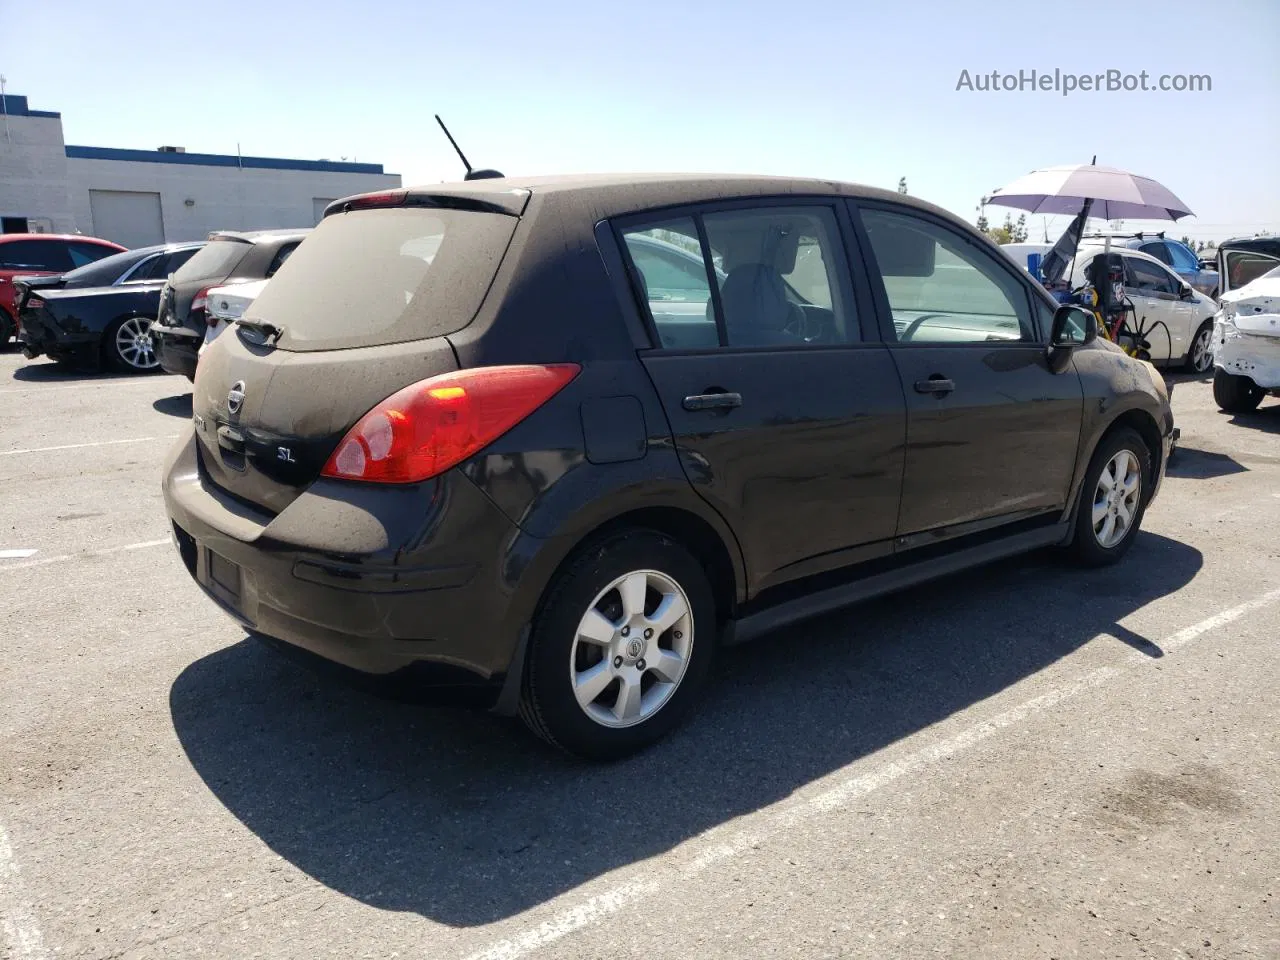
(37, 253)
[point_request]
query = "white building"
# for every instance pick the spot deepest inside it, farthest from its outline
(140, 197)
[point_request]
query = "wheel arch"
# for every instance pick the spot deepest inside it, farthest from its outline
(722, 560)
(1136, 418)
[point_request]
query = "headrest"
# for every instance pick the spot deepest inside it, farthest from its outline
(774, 242)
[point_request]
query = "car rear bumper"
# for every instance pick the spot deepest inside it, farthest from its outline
(39, 334)
(177, 349)
(329, 576)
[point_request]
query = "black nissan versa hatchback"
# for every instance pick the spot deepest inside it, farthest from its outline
(557, 440)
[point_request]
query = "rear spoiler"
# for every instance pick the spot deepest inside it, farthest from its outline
(509, 203)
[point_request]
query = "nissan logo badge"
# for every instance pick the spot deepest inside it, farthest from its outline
(235, 397)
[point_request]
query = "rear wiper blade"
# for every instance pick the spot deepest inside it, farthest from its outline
(269, 331)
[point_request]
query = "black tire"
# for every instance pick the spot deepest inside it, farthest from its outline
(1205, 332)
(7, 329)
(1236, 394)
(1086, 548)
(548, 705)
(114, 359)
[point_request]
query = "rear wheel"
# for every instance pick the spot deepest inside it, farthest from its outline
(128, 346)
(1112, 499)
(7, 329)
(1236, 394)
(621, 647)
(1200, 356)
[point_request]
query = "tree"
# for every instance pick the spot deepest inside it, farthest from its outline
(902, 185)
(1187, 241)
(1019, 231)
(1200, 246)
(1004, 232)
(983, 225)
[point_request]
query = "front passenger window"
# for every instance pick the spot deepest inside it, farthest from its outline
(940, 287)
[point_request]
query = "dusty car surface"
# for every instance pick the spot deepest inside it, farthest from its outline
(498, 435)
(1247, 344)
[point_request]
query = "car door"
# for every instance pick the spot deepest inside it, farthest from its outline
(992, 431)
(1161, 317)
(784, 406)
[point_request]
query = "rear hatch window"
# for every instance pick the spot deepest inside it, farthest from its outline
(372, 277)
(213, 261)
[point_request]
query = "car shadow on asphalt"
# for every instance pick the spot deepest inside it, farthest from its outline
(178, 405)
(464, 818)
(1265, 419)
(1188, 463)
(50, 372)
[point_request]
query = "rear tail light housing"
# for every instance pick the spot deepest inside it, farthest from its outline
(426, 428)
(200, 304)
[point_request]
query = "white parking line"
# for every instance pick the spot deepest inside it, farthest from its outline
(830, 793)
(86, 555)
(81, 446)
(16, 916)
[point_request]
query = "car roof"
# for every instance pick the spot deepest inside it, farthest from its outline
(616, 194)
(7, 237)
(262, 236)
(167, 247)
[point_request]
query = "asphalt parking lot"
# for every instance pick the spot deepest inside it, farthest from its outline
(1023, 761)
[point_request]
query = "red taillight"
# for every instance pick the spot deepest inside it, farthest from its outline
(435, 424)
(200, 302)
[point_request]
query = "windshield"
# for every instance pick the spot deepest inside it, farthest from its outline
(384, 276)
(214, 261)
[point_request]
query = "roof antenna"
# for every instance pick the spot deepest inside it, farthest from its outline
(483, 174)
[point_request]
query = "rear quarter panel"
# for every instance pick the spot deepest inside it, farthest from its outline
(90, 312)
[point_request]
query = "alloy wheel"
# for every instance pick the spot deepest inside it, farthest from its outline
(1116, 498)
(1201, 352)
(631, 648)
(134, 345)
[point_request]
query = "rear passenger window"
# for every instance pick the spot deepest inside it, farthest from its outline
(673, 278)
(777, 271)
(85, 253)
(940, 287)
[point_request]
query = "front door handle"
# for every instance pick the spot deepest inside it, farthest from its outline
(937, 385)
(712, 401)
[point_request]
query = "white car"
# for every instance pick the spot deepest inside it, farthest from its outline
(1246, 339)
(1175, 319)
(226, 305)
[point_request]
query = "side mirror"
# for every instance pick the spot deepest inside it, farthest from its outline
(1072, 327)
(1186, 291)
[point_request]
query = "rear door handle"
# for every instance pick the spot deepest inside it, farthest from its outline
(935, 385)
(712, 401)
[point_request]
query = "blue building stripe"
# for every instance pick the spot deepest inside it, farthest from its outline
(218, 160)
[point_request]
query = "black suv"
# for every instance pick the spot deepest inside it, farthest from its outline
(554, 441)
(227, 257)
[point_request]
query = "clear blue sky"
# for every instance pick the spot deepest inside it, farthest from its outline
(827, 88)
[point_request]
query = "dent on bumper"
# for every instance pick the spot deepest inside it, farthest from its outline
(375, 580)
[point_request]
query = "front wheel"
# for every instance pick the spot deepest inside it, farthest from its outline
(1200, 356)
(7, 329)
(1236, 394)
(128, 347)
(1112, 499)
(621, 647)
